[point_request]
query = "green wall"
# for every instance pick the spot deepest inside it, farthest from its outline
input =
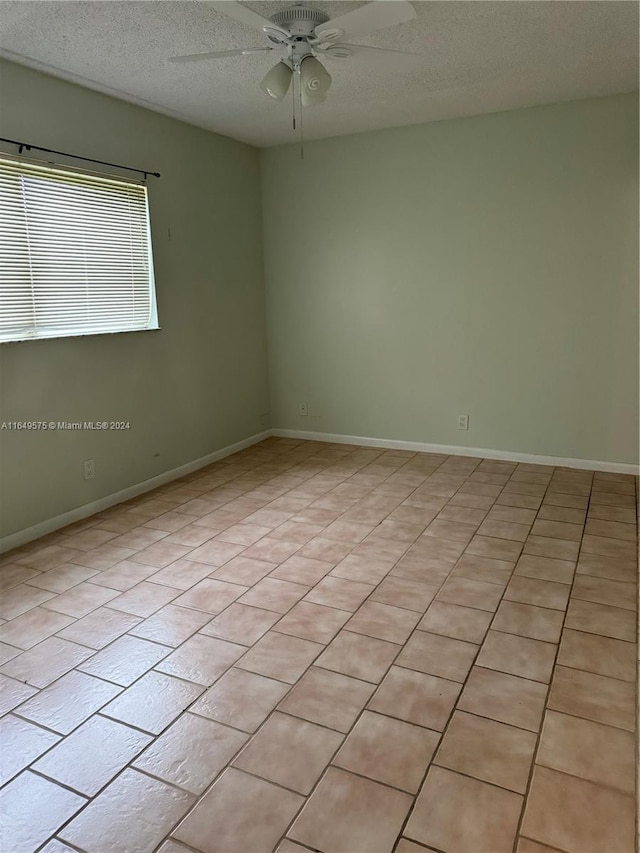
(197, 385)
(486, 266)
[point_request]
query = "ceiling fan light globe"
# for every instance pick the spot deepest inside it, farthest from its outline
(315, 80)
(312, 99)
(277, 81)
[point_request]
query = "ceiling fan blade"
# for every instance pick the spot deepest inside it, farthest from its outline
(377, 55)
(367, 19)
(241, 13)
(219, 54)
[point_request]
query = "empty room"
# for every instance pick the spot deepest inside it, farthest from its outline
(319, 433)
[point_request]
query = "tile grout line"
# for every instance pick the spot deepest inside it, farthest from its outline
(455, 705)
(551, 679)
(249, 488)
(479, 646)
(371, 593)
(414, 630)
(358, 716)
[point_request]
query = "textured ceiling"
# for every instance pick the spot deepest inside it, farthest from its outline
(478, 57)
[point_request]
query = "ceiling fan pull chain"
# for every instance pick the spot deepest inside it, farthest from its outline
(301, 123)
(293, 99)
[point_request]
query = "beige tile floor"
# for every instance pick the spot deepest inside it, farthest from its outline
(329, 648)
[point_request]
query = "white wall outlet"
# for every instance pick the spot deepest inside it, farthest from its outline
(89, 469)
(463, 421)
(303, 409)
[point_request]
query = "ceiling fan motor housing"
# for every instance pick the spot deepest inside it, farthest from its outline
(299, 20)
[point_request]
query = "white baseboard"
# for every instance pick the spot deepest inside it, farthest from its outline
(485, 453)
(15, 540)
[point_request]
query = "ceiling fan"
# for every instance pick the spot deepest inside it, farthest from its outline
(301, 34)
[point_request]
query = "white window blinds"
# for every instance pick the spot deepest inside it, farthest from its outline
(75, 253)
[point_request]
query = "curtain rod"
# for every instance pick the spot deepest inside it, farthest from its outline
(23, 146)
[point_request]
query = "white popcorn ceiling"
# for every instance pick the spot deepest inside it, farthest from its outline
(479, 57)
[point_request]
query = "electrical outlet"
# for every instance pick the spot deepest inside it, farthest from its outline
(89, 469)
(463, 421)
(303, 409)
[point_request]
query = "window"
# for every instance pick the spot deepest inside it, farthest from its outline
(75, 253)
